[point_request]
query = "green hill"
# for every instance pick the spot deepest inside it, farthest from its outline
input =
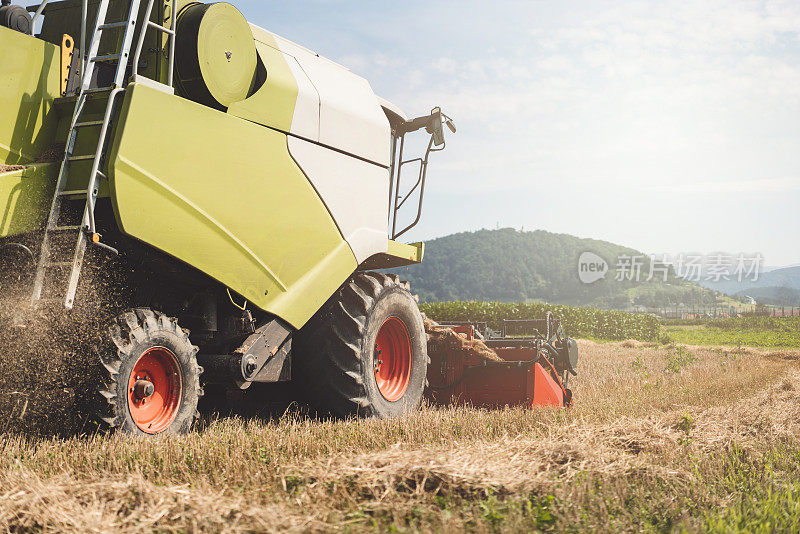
(509, 265)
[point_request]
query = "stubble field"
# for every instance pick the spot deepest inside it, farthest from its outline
(661, 438)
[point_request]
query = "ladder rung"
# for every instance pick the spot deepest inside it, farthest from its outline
(58, 264)
(64, 228)
(72, 193)
(99, 89)
(88, 123)
(109, 57)
(80, 158)
(113, 25)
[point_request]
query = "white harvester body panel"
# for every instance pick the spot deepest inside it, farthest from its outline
(305, 121)
(354, 191)
(350, 116)
(340, 137)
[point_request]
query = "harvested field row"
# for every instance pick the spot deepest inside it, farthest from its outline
(650, 444)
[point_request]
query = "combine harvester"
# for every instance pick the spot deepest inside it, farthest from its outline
(221, 197)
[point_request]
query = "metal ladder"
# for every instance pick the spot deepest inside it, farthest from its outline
(47, 259)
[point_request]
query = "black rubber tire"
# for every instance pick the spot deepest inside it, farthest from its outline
(132, 334)
(335, 357)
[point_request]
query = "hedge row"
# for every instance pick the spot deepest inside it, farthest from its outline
(578, 322)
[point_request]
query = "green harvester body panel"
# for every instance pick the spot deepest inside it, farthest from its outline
(29, 83)
(223, 195)
(25, 197)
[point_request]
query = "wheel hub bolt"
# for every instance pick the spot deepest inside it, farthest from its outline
(143, 389)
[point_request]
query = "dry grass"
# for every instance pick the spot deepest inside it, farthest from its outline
(644, 449)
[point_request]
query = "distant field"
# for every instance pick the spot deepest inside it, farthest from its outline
(660, 439)
(765, 332)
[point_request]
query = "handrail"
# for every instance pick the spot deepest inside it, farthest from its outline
(433, 125)
(414, 187)
(419, 184)
(39, 12)
(158, 27)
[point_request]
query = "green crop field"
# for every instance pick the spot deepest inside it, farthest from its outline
(765, 332)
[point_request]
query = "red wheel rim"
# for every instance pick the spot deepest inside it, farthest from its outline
(154, 413)
(392, 359)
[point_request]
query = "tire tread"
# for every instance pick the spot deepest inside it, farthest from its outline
(332, 372)
(131, 327)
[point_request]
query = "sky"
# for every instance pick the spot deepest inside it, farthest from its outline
(669, 127)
